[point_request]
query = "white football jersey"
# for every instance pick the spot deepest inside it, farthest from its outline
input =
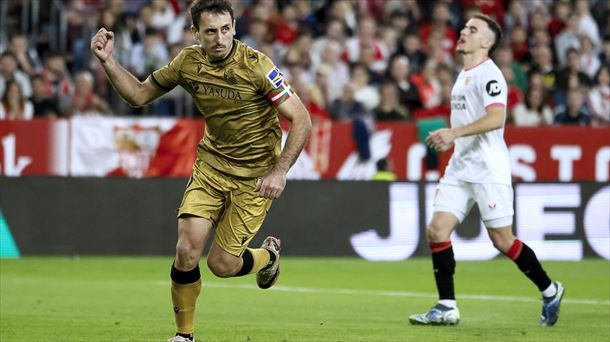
(480, 158)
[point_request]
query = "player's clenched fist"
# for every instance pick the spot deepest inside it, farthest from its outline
(102, 44)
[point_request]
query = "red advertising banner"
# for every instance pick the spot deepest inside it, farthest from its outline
(152, 147)
(36, 147)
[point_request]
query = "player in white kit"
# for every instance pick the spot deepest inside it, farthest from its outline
(478, 172)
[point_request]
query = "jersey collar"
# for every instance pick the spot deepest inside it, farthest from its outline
(474, 66)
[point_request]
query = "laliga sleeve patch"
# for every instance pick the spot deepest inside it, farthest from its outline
(275, 77)
(493, 88)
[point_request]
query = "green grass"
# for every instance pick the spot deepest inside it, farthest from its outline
(338, 299)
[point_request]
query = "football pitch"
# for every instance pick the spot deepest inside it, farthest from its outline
(316, 299)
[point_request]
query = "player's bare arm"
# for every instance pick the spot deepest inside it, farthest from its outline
(442, 139)
(133, 91)
(272, 185)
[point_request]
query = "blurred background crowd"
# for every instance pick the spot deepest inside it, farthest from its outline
(376, 60)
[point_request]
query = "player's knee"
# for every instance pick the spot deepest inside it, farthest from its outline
(502, 243)
(219, 268)
(436, 233)
(187, 257)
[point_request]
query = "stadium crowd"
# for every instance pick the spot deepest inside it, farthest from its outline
(373, 60)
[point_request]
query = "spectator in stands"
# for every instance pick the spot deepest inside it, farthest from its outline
(447, 36)
(302, 44)
(10, 72)
(77, 14)
(543, 64)
(311, 98)
(44, 105)
(367, 38)
(570, 74)
(176, 30)
(363, 91)
(589, 61)
(586, 23)
(390, 36)
(515, 96)
(518, 44)
(257, 33)
(383, 171)
(540, 37)
(85, 100)
(428, 85)
(343, 11)
(306, 18)
(149, 55)
(411, 47)
(163, 15)
(538, 21)
(536, 80)
(400, 21)
(28, 60)
(15, 106)
(574, 112)
(515, 16)
(534, 111)
(295, 60)
(568, 38)
(409, 8)
(321, 86)
(598, 99)
(334, 32)
(389, 109)
(144, 20)
(346, 108)
(408, 94)
(436, 51)
(287, 28)
(561, 12)
(338, 70)
(57, 79)
(504, 57)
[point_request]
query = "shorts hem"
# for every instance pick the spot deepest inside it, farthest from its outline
(459, 215)
(499, 222)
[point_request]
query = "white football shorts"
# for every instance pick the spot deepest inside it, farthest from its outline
(495, 201)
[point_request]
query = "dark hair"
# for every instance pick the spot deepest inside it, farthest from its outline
(382, 164)
(528, 103)
(212, 6)
(4, 99)
(494, 27)
(9, 54)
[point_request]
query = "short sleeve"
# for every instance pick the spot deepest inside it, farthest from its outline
(168, 77)
(271, 82)
(493, 88)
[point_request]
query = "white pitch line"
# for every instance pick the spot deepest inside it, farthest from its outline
(390, 293)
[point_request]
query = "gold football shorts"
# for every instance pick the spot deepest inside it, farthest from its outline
(236, 211)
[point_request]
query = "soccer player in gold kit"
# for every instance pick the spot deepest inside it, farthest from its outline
(240, 166)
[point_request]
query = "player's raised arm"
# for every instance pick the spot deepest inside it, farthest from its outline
(133, 91)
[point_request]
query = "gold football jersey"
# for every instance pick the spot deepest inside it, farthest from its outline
(238, 97)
